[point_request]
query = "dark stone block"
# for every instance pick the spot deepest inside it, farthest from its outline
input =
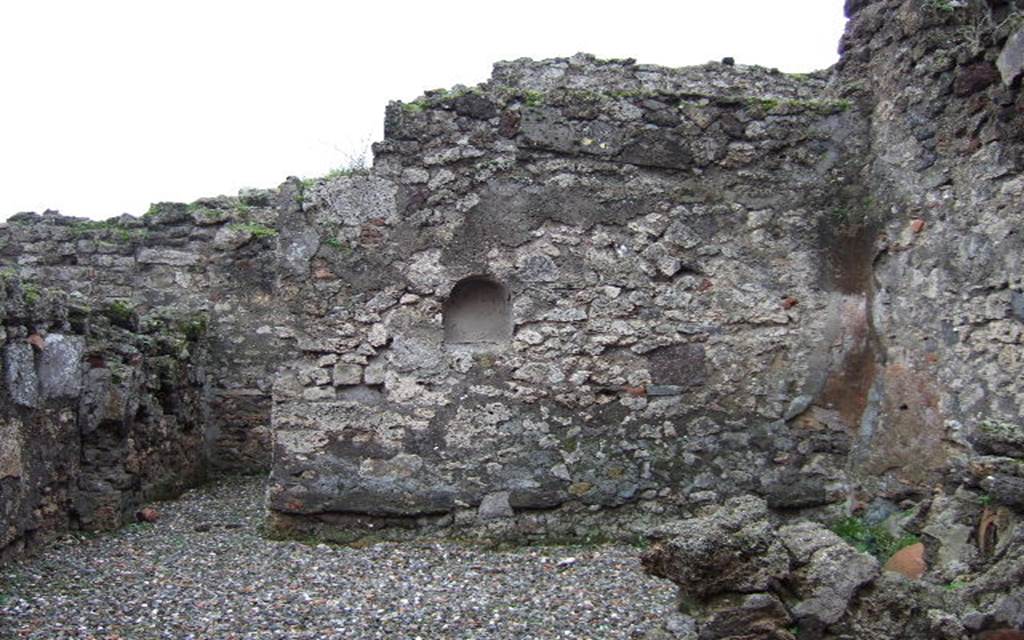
(680, 365)
(475, 106)
(657, 148)
(972, 79)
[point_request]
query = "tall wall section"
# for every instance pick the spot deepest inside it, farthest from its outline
(708, 281)
(940, 82)
(579, 299)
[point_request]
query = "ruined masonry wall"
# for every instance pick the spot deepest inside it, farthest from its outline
(102, 411)
(676, 275)
(214, 256)
(588, 296)
(946, 156)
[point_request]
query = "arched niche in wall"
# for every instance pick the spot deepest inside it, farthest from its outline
(478, 312)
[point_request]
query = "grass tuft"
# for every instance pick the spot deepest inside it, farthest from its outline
(871, 538)
(256, 230)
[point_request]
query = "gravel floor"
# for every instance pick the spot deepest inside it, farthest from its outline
(203, 571)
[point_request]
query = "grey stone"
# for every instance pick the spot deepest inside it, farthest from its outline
(60, 366)
(11, 460)
(793, 490)
(1009, 610)
(361, 393)
(1011, 59)
(758, 615)
(230, 237)
(255, 197)
(412, 352)
(296, 249)
(167, 213)
(1005, 490)
(658, 148)
(664, 390)
(374, 373)
(734, 550)
(20, 374)
(682, 627)
(475, 106)
(1017, 305)
(347, 374)
(355, 200)
(101, 401)
(681, 365)
(1001, 438)
(973, 78)
(955, 550)
(173, 257)
(802, 540)
(399, 467)
(797, 406)
(495, 505)
(944, 626)
(976, 620)
(830, 580)
(537, 268)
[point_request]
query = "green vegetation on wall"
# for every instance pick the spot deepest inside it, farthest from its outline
(255, 230)
(871, 538)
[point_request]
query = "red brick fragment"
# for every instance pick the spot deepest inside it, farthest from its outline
(909, 561)
(147, 514)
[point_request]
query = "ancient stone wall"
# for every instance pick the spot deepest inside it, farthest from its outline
(677, 268)
(587, 296)
(719, 279)
(946, 153)
(100, 410)
(934, 362)
(217, 256)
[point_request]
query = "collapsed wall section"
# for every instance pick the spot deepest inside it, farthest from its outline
(99, 411)
(216, 256)
(937, 463)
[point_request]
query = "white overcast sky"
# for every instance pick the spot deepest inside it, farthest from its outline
(107, 106)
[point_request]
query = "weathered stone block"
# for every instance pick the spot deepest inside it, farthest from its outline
(1011, 59)
(347, 374)
(60, 366)
(20, 374)
(173, 257)
(829, 581)
(756, 616)
(495, 505)
(11, 461)
(734, 550)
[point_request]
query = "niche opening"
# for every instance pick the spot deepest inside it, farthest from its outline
(478, 312)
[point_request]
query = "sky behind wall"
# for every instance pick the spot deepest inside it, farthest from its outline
(107, 106)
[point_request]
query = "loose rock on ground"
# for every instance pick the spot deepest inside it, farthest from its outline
(204, 571)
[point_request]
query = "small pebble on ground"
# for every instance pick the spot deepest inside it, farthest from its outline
(203, 571)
